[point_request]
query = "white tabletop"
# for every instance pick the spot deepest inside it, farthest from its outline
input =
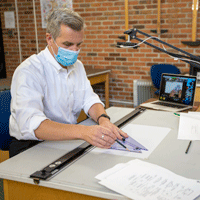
(79, 176)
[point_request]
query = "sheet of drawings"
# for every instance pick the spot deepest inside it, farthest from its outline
(48, 5)
(189, 126)
(141, 180)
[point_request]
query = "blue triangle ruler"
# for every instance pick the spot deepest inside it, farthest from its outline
(131, 144)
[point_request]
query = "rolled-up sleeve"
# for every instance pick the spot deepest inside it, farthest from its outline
(27, 108)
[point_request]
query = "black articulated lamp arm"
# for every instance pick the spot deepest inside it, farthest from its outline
(133, 32)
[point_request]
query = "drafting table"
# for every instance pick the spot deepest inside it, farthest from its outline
(77, 180)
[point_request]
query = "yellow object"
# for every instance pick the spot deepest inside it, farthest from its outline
(194, 19)
(126, 17)
(4, 155)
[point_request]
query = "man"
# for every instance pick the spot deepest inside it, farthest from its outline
(50, 89)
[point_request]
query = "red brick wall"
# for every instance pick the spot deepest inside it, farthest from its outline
(27, 32)
(105, 21)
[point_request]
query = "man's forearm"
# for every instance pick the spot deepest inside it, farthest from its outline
(96, 110)
(102, 136)
(50, 130)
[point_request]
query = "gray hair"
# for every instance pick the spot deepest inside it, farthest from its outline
(63, 16)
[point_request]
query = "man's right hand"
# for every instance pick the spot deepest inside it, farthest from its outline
(99, 136)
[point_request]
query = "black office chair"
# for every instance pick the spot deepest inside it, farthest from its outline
(157, 70)
(5, 98)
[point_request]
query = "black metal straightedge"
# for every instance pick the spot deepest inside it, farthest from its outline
(60, 163)
(57, 165)
(130, 116)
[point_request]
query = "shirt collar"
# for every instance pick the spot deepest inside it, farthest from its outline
(54, 63)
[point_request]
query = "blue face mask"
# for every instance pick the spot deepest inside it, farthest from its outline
(66, 57)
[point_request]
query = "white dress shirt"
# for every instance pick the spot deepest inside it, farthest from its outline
(42, 89)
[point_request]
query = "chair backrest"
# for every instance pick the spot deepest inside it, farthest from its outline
(5, 98)
(157, 70)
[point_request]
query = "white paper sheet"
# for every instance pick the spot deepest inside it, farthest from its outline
(194, 113)
(148, 136)
(140, 180)
(189, 127)
(9, 17)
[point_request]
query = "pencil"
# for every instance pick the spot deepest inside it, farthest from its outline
(122, 145)
(188, 147)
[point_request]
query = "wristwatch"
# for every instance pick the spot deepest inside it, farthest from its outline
(103, 115)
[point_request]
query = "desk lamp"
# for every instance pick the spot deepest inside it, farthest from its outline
(193, 60)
